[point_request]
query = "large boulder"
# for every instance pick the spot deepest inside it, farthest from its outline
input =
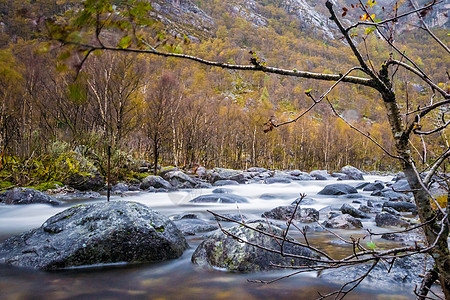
(343, 222)
(219, 198)
(156, 182)
(348, 209)
(338, 189)
(352, 173)
(85, 182)
(27, 196)
(106, 232)
(305, 215)
(225, 252)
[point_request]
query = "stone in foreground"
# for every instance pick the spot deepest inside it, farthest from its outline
(224, 252)
(100, 233)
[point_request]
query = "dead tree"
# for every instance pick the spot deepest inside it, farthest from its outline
(404, 125)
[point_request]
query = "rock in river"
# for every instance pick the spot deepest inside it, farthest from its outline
(219, 198)
(338, 189)
(225, 252)
(27, 196)
(405, 272)
(106, 232)
(385, 219)
(348, 209)
(352, 173)
(305, 215)
(342, 222)
(156, 182)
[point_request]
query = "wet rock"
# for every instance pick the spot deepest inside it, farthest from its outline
(256, 170)
(155, 182)
(86, 182)
(203, 185)
(163, 173)
(339, 176)
(76, 195)
(201, 171)
(226, 174)
(352, 173)
(225, 182)
(405, 272)
(373, 187)
(399, 176)
(19, 196)
(219, 198)
(375, 203)
(338, 189)
(320, 174)
(354, 196)
(410, 237)
(367, 209)
(180, 180)
(278, 179)
(233, 217)
(391, 211)
(119, 188)
(343, 222)
(299, 175)
(227, 253)
(194, 226)
(348, 209)
(184, 216)
(305, 201)
(304, 215)
(222, 191)
(401, 186)
(107, 232)
(361, 185)
(385, 219)
(401, 206)
(390, 195)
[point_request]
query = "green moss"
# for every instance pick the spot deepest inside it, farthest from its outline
(5, 185)
(159, 229)
(136, 175)
(44, 186)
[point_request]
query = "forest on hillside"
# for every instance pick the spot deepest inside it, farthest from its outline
(56, 119)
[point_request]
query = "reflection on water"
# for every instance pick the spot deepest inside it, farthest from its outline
(175, 279)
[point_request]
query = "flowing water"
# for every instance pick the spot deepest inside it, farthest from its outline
(179, 278)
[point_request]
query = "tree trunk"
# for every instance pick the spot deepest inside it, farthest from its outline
(440, 252)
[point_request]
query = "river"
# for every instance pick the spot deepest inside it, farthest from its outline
(179, 278)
